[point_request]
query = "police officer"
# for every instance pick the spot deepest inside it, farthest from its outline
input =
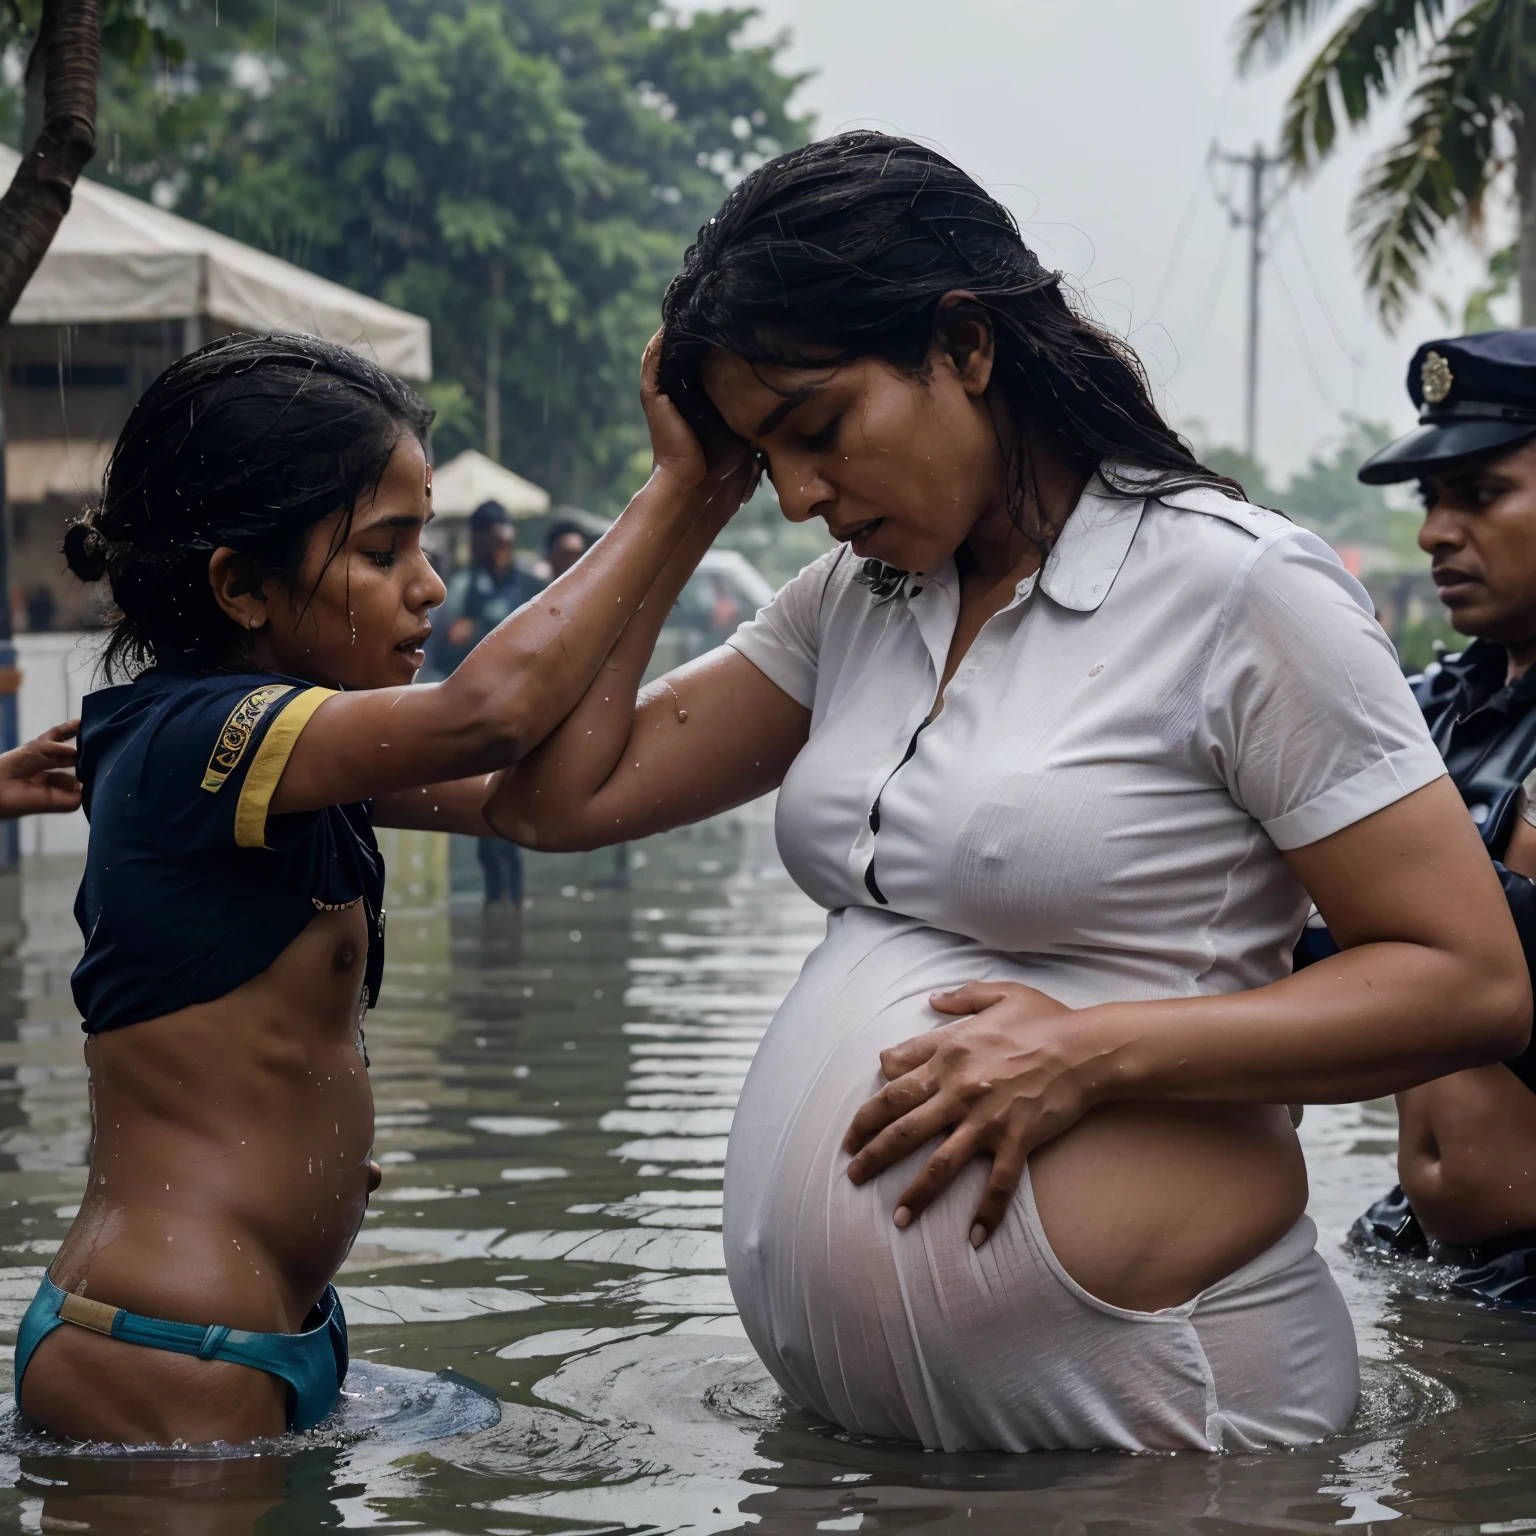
(1467, 1143)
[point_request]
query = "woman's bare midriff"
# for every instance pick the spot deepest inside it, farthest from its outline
(1147, 1204)
(229, 1175)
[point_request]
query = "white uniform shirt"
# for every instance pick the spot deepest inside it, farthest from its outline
(1190, 686)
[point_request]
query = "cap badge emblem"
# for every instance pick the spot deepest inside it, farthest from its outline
(1436, 377)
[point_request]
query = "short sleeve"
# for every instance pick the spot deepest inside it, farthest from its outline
(784, 640)
(218, 754)
(1310, 719)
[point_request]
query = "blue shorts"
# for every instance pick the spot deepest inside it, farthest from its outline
(313, 1363)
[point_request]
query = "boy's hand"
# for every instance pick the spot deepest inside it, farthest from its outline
(38, 777)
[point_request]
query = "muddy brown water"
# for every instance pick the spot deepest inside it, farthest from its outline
(554, 1097)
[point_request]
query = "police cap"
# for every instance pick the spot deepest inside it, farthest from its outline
(1475, 394)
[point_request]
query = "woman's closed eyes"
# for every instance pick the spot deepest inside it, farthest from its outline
(819, 442)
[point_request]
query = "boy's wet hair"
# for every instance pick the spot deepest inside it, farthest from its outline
(246, 444)
(843, 249)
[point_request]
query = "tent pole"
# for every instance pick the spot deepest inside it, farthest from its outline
(10, 677)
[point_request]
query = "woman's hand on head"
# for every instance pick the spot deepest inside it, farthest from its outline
(725, 464)
(1002, 1079)
(38, 777)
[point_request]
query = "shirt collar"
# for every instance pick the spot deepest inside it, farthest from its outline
(1093, 544)
(1090, 550)
(1481, 670)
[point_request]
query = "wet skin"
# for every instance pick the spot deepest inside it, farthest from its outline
(229, 1174)
(230, 1166)
(1467, 1143)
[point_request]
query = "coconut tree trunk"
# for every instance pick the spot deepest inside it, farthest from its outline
(498, 288)
(68, 51)
(1525, 189)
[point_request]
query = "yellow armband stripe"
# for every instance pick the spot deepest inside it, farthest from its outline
(237, 733)
(268, 764)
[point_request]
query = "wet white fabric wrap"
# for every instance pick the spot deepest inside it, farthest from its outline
(1192, 685)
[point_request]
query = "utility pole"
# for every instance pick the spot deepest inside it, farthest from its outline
(1261, 202)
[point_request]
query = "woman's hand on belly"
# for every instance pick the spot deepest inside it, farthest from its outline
(1003, 1080)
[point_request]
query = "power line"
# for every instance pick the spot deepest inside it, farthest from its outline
(1261, 202)
(1187, 222)
(1212, 293)
(1293, 225)
(1303, 345)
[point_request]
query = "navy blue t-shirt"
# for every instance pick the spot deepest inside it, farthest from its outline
(191, 888)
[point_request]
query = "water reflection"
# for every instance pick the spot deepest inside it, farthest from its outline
(554, 1096)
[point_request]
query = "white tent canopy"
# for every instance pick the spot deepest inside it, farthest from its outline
(118, 259)
(460, 485)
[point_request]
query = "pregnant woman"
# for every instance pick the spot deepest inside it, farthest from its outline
(261, 528)
(1064, 732)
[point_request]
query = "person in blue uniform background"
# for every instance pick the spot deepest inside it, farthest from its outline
(488, 589)
(260, 527)
(1467, 1142)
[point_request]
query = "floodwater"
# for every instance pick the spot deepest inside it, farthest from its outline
(553, 1098)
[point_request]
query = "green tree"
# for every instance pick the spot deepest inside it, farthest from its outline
(1327, 498)
(1472, 68)
(525, 173)
(1477, 313)
(1243, 468)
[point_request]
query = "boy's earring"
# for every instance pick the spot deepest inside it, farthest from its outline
(255, 623)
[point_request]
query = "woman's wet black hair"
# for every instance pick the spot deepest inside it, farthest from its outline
(245, 444)
(843, 250)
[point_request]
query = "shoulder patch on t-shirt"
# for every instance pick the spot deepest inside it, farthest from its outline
(1241, 514)
(237, 732)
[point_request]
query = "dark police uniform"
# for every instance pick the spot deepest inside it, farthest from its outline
(1477, 399)
(191, 887)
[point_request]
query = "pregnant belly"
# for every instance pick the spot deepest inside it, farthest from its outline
(1142, 1205)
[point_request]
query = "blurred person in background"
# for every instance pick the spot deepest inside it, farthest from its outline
(42, 609)
(1467, 1142)
(564, 544)
(480, 596)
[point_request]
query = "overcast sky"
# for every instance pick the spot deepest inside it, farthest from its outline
(1092, 119)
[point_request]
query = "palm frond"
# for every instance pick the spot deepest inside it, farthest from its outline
(1440, 170)
(1355, 68)
(1268, 28)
